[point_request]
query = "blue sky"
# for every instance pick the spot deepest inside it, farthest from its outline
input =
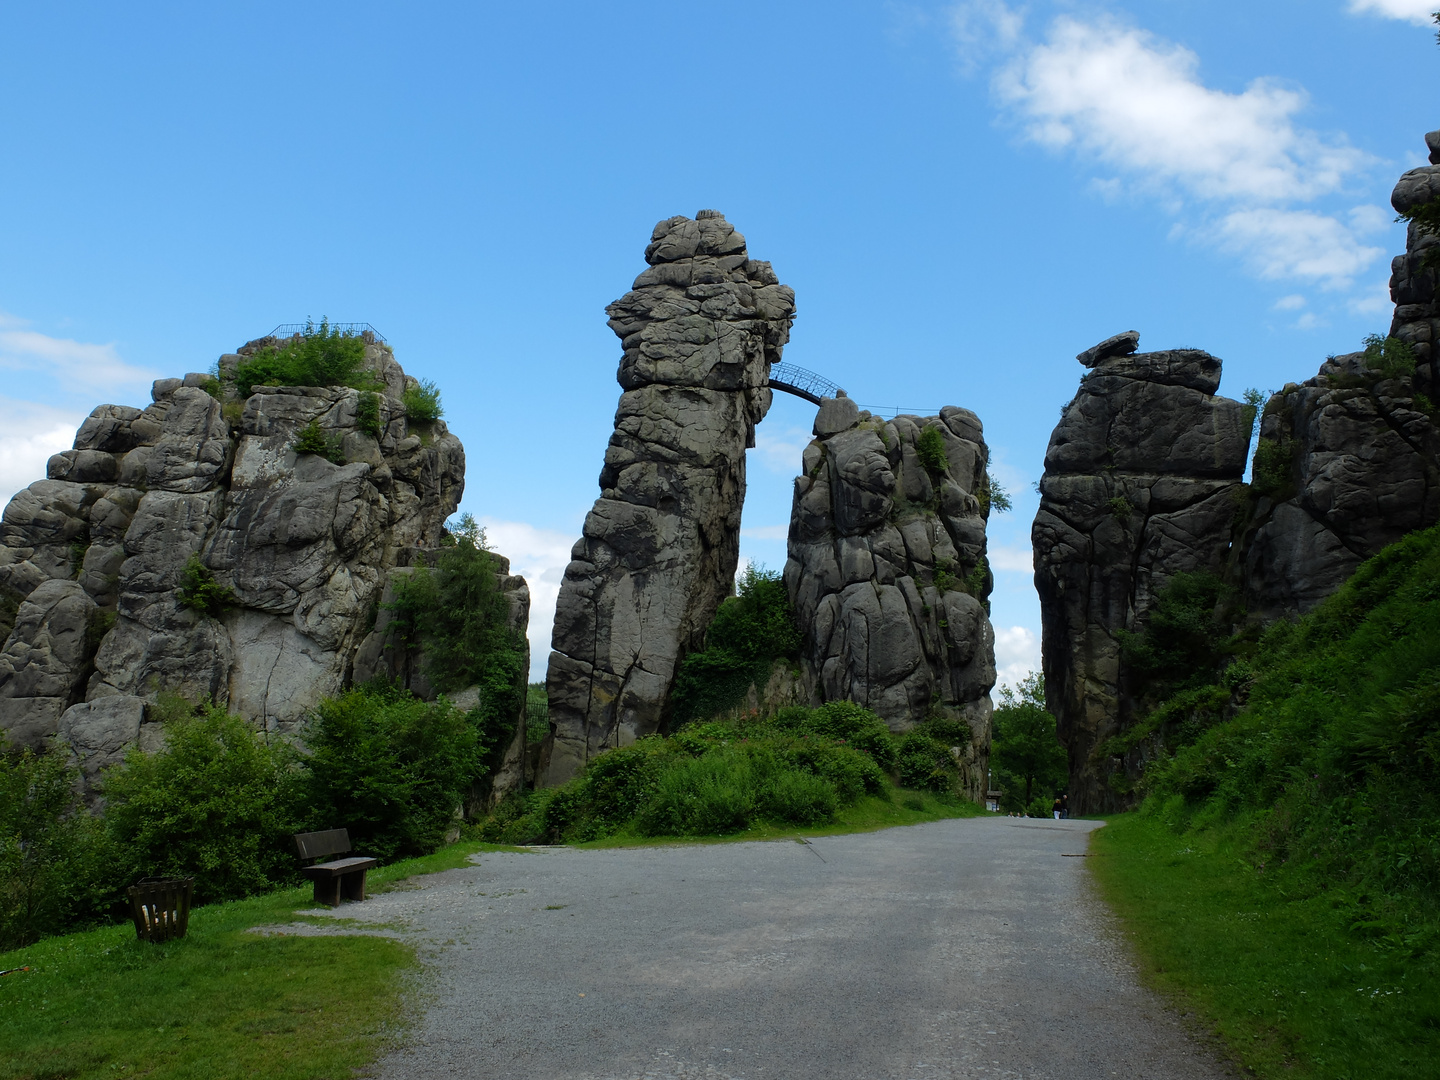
(963, 196)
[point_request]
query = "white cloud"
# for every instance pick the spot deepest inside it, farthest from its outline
(766, 532)
(780, 448)
(1280, 244)
(1016, 560)
(72, 362)
(1310, 321)
(540, 556)
(983, 27)
(1233, 164)
(30, 434)
(1373, 301)
(1294, 302)
(1135, 102)
(1017, 654)
(1418, 12)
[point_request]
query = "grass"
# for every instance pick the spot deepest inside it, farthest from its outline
(220, 1002)
(1288, 978)
(869, 813)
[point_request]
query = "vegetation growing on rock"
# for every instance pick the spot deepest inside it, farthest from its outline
(318, 357)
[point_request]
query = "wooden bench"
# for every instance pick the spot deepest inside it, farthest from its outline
(340, 879)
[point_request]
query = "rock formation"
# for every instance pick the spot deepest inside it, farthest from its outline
(887, 570)
(297, 548)
(1349, 461)
(1142, 482)
(699, 332)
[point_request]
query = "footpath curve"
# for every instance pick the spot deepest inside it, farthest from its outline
(970, 948)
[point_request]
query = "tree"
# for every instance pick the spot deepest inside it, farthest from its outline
(1024, 749)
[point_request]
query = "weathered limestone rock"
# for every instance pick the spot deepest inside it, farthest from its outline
(92, 559)
(699, 332)
(1412, 285)
(99, 733)
(1142, 482)
(887, 570)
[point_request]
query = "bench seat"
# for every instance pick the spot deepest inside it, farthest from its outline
(338, 879)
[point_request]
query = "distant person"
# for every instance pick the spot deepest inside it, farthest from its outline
(1064, 808)
(1057, 808)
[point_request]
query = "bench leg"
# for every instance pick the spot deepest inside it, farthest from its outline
(352, 885)
(327, 891)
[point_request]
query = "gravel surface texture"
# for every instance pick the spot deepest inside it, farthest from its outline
(969, 948)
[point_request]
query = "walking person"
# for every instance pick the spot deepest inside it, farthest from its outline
(1056, 808)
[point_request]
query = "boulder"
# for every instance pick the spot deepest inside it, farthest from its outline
(698, 332)
(887, 572)
(1142, 482)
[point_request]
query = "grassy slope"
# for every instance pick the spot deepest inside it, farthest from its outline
(1281, 976)
(219, 1003)
(1283, 872)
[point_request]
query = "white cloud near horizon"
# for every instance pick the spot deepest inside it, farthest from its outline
(540, 557)
(1419, 12)
(1233, 165)
(780, 449)
(1017, 654)
(1016, 560)
(30, 435)
(71, 362)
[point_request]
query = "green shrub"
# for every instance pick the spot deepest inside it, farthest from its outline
(1389, 357)
(930, 450)
(750, 632)
(846, 722)
(313, 439)
(707, 796)
(318, 357)
(537, 714)
(1186, 637)
(217, 802)
(458, 614)
(1273, 471)
(925, 763)
(367, 414)
(798, 798)
(390, 768)
(56, 869)
(422, 402)
(199, 590)
(993, 497)
(1121, 508)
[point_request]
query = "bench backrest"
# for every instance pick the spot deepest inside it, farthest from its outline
(317, 845)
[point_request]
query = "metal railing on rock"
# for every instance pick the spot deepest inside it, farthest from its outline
(348, 329)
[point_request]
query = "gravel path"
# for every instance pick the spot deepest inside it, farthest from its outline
(967, 948)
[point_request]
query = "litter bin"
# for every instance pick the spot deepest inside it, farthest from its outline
(161, 907)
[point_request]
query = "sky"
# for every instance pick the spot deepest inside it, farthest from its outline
(963, 196)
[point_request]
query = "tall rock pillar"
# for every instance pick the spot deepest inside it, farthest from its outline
(700, 329)
(1142, 482)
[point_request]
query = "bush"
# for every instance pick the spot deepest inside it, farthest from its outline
(318, 357)
(1273, 471)
(749, 633)
(367, 414)
(56, 869)
(706, 796)
(846, 722)
(390, 768)
(199, 590)
(456, 612)
(1389, 358)
(313, 439)
(422, 402)
(925, 763)
(930, 450)
(218, 802)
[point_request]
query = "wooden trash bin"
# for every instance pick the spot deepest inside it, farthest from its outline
(161, 907)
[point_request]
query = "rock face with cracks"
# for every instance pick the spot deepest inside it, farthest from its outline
(298, 547)
(1349, 461)
(887, 571)
(699, 331)
(1142, 482)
